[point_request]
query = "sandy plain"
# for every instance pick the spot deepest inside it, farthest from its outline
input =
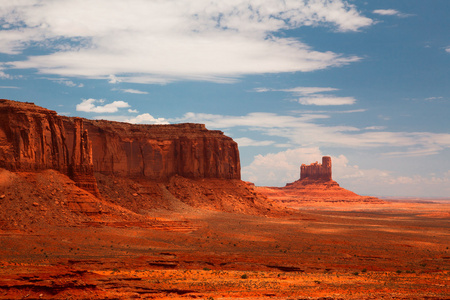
(395, 250)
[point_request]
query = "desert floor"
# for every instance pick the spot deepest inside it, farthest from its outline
(397, 250)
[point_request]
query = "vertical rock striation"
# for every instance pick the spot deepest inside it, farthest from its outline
(81, 168)
(31, 138)
(159, 152)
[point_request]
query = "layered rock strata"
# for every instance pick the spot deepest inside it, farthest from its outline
(81, 168)
(159, 152)
(31, 138)
(34, 138)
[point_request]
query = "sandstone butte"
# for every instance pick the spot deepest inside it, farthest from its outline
(315, 185)
(186, 162)
(34, 138)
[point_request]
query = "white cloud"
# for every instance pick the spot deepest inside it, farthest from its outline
(88, 105)
(301, 90)
(3, 75)
(277, 169)
(433, 98)
(67, 82)
(162, 41)
(375, 128)
(309, 90)
(147, 119)
(386, 12)
(311, 96)
(113, 79)
(391, 12)
(133, 111)
(351, 111)
(133, 91)
(447, 49)
(245, 142)
(140, 119)
(304, 130)
(324, 100)
(8, 87)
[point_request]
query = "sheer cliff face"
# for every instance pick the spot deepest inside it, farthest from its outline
(34, 138)
(31, 138)
(161, 151)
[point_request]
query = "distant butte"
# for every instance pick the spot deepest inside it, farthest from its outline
(315, 185)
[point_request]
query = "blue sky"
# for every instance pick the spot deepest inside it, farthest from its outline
(366, 82)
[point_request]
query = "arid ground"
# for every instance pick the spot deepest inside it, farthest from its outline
(396, 250)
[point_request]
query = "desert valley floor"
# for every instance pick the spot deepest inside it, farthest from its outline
(394, 250)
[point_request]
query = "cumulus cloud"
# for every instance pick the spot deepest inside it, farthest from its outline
(162, 41)
(147, 119)
(88, 105)
(447, 49)
(139, 119)
(277, 169)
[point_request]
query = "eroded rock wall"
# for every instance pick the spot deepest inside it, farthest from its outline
(31, 138)
(160, 151)
(35, 138)
(81, 168)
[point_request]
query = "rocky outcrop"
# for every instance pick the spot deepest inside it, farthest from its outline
(316, 171)
(159, 152)
(31, 138)
(81, 168)
(34, 138)
(315, 185)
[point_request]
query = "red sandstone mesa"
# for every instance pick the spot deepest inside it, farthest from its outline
(159, 152)
(34, 138)
(181, 162)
